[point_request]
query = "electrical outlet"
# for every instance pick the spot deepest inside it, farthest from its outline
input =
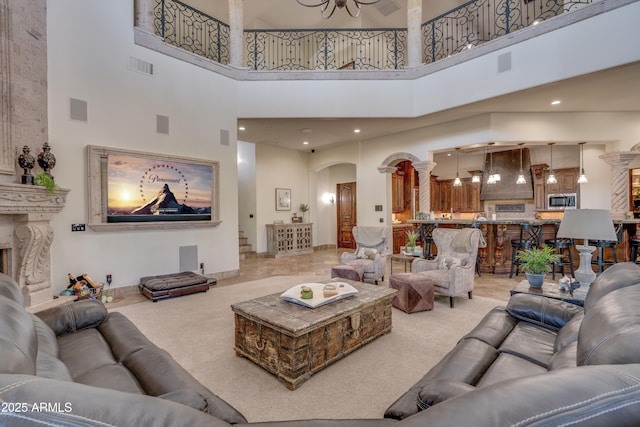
(77, 227)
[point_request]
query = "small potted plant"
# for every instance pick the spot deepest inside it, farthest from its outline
(410, 246)
(304, 209)
(536, 263)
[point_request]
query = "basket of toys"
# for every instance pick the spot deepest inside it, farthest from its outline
(84, 288)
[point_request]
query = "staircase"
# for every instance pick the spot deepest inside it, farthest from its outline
(245, 248)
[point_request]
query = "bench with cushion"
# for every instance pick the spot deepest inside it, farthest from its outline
(173, 285)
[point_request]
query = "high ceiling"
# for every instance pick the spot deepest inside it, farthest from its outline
(614, 90)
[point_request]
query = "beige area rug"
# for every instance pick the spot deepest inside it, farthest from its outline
(198, 330)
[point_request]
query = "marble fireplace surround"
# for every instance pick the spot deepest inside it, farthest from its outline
(25, 229)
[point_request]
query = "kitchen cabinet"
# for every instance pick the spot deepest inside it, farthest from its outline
(397, 182)
(634, 176)
(445, 196)
(445, 191)
(433, 191)
(567, 181)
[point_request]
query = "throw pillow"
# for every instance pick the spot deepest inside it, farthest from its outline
(367, 253)
(448, 262)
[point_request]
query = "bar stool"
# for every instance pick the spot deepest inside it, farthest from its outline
(426, 235)
(529, 237)
(634, 244)
(477, 225)
(560, 245)
(601, 245)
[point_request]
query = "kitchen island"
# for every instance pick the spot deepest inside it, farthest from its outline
(495, 258)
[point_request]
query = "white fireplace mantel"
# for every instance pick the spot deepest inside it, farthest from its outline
(25, 214)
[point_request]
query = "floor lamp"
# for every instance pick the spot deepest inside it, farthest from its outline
(587, 224)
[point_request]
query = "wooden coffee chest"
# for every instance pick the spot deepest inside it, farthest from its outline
(294, 342)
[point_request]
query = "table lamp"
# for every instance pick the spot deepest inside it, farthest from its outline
(594, 224)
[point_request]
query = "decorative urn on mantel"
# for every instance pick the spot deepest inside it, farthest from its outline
(25, 230)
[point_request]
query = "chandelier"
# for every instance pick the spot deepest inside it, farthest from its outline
(326, 5)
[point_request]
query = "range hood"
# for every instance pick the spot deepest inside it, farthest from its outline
(507, 164)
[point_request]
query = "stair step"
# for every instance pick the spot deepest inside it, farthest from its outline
(243, 240)
(245, 255)
(245, 248)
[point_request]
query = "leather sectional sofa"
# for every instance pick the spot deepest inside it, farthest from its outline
(537, 361)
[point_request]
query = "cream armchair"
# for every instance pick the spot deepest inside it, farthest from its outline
(453, 269)
(372, 247)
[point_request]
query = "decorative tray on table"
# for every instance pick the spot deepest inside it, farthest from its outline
(344, 290)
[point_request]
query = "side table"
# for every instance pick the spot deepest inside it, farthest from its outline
(550, 290)
(404, 259)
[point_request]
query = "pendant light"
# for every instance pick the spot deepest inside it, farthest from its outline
(521, 179)
(551, 179)
(457, 182)
(583, 177)
(493, 177)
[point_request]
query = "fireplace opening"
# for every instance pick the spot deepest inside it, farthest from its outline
(5, 261)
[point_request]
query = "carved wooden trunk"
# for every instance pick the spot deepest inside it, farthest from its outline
(293, 342)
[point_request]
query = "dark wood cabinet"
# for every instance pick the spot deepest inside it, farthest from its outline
(445, 192)
(433, 192)
(397, 182)
(465, 198)
(567, 181)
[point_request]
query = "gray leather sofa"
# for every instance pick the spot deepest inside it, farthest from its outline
(536, 362)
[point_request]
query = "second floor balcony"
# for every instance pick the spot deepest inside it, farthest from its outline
(465, 27)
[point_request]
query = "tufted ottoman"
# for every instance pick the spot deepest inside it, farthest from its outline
(349, 272)
(173, 285)
(415, 292)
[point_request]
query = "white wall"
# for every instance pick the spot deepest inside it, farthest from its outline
(280, 168)
(89, 46)
(247, 208)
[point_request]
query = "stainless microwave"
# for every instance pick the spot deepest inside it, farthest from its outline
(562, 201)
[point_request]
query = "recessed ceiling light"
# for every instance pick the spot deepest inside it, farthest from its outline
(305, 142)
(356, 131)
(555, 102)
(241, 128)
(536, 22)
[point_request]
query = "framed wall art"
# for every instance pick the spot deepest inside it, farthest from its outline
(132, 190)
(283, 199)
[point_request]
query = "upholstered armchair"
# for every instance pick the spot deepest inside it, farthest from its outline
(453, 269)
(372, 247)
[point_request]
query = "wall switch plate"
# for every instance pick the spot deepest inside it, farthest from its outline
(77, 227)
(381, 219)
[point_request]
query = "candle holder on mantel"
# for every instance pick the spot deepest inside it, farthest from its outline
(26, 162)
(46, 159)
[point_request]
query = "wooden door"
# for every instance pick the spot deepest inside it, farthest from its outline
(346, 210)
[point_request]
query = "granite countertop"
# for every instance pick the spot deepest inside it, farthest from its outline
(504, 221)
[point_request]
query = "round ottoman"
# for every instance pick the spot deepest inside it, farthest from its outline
(415, 292)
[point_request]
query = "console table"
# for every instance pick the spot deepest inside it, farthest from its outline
(289, 239)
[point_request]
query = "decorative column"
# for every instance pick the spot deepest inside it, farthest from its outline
(424, 173)
(619, 163)
(236, 33)
(414, 33)
(144, 15)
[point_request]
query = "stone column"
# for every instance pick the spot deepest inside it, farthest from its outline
(144, 15)
(236, 36)
(424, 176)
(619, 163)
(414, 33)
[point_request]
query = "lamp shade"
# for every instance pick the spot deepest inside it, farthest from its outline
(591, 224)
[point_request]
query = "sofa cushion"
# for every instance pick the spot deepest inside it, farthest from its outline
(531, 343)
(439, 391)
(48, 365)
(508, 366)
(564, 358)
(569, 333)
(70, 318)
(546, 312)
(10, 289)
(18, 341)
(615, 277)
(494, 327)
(610, 330)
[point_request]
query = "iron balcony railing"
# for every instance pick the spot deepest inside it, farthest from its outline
(468, 25)
(331, 49)
(185, 27)
(479, 21)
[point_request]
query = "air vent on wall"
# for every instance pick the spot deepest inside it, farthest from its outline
(141, 66)
(386, 8)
